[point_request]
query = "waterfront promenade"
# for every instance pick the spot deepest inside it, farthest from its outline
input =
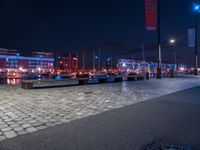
(27, 111)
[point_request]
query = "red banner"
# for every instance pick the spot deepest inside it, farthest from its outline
(151, 14)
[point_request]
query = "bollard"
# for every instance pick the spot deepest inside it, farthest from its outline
(159, 73)
(27, 85)
(118, 79)
(131, 79)
(103, 80)
(171, 73)
(147, 75)
(140, 78)
(83, 81)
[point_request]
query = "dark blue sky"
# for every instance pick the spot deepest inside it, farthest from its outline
(113, 25)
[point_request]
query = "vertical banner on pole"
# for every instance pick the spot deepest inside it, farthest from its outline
(151, 14)
(191, 37)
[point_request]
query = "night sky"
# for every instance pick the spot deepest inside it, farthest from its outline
(114, 26)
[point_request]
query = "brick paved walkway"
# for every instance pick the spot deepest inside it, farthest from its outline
(26, 111)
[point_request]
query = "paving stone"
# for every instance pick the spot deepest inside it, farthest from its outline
(57, 123)
(6, 129)
(14, 117)
(5, 117)
(64, 120)
(8, 120)
(32, 121)
(49, 124)
(18, 129)
(21, 122)
(37, 124)
(2, 137)
(9, 123)
(41, 127)
(3, 126)
(14, 125)
(52, 120)
(31, 129)
(48, 117)
(43, 121)
(22, 132)
(28, 119)
(10, 134)
(2, 122)
(18, 119)
(26, 125)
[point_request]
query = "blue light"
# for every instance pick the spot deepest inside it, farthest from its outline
(58, 77)
(25, 58)
(96, 57)
(18, 54)
(197, 7)
(108, 59)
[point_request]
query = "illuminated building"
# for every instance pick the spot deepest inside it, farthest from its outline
(11, 60)
(68, 62)
(43, 55)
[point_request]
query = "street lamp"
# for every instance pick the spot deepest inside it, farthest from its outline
(196, 10)
(20, 69)
(39, 69)
(197, 7)
(172, 41)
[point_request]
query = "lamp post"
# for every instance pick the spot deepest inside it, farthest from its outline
(159, 72)
(196, 10)
(96, 64)
(172, 41)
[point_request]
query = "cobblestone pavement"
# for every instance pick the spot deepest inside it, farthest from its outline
(26, 111)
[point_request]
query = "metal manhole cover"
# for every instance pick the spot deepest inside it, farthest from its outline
(165, 144)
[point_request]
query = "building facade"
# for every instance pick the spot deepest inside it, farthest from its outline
(11, 60)
(68, 62)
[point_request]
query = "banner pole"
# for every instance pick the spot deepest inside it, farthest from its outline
(159, 41)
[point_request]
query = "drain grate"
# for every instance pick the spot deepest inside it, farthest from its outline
(165, 144)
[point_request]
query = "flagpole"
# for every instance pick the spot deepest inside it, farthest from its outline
(93, 59)
(143, 51)
(99, 61)
(83, 59)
